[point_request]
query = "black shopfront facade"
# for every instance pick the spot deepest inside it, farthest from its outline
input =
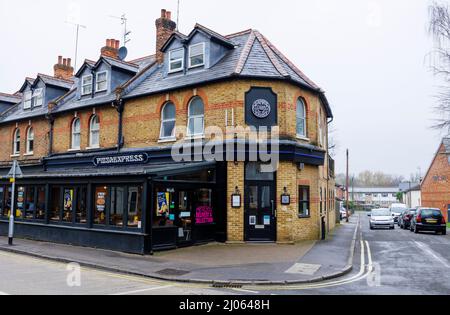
(134, 202)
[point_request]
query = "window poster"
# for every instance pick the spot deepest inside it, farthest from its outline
(101, 201)
(68, 199)
(204, 215)
(163, 204)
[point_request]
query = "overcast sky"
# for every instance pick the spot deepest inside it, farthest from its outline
(368, 55)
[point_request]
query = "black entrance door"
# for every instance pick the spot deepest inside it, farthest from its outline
(260, 212)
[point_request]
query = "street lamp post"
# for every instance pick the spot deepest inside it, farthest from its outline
(13, 193)
(13, 173)
(347, 193)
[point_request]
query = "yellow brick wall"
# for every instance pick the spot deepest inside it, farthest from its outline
(41, 140)
(108, 128)
(235, 219)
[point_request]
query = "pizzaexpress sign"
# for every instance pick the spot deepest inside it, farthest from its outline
(141, 158)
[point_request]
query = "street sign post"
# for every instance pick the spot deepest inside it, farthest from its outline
(13, 174)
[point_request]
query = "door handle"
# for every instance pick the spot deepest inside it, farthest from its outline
(274, 212)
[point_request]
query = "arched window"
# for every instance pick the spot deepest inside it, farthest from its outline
(16, 142)
(168, 121)
(301, 118)
(196, 124)
(94, 132)
(76, 134)
(30, 140)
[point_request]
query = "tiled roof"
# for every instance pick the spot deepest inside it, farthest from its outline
(8, 98)
(144, 61)
(122, 64)
(252, 56)
(49, 80)
(446, 142)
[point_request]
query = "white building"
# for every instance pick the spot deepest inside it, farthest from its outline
(413, 197)
(374, 196)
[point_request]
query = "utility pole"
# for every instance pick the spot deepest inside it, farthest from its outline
(347, 184)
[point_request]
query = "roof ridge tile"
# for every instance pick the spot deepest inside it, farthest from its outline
(245, 53)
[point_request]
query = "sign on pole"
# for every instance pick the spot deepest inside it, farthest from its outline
(13, 173)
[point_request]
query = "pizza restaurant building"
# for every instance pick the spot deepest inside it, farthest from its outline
(111, 180)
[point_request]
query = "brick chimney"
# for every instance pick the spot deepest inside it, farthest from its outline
(111, 49)
(63, 69)
(164, 29)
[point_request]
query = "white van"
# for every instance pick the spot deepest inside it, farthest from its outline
(397, 210)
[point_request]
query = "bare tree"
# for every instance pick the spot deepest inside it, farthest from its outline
(439, 28)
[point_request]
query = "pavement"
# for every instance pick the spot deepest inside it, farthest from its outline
(220, 265)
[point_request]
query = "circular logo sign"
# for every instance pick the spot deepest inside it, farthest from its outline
(261, 109)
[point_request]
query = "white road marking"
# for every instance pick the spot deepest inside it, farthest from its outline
(246, 291)
(427, 250)
(3, 293)
(143, 290)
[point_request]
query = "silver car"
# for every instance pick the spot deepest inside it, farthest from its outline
(381, 218)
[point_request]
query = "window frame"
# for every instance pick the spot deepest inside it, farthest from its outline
(37, 100)
(91, 131)
(176, 60)
(301, 202)
(27, 99)
(202, 54)
(30, 132)
(301, 102)
(190, 117)
(166, 120)
(16, 142)
(97, 90)
(73, 133)
(84, 84)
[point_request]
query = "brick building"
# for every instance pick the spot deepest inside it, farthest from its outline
(169, 150)
(436, 184)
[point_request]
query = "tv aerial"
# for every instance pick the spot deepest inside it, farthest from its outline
(123, 51)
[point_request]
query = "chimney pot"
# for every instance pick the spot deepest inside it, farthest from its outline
(165, 27)
(63, 69)
(111, 49)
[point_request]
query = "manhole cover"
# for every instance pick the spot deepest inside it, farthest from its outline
(304, 269)
(172, 272)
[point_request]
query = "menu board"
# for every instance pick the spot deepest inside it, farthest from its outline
(101, 201)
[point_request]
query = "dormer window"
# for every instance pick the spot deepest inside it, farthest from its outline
(101, 80)
(197, 55)
(38, 98)
(27, 100)
(86, 85)
(176, 60)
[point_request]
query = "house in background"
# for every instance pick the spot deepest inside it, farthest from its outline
(436, 185)
(374, 196)
(411, 194)
(412, 197)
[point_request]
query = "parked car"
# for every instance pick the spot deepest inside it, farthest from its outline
(405, 219)
(400, 218)
(381, 218)
(397, 209)
(343, 214)
(429, 219)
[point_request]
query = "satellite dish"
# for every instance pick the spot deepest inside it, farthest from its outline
(123, 53)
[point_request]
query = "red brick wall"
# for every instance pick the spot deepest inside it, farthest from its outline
(436, 185)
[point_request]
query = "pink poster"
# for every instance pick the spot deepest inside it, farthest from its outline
(204, 215)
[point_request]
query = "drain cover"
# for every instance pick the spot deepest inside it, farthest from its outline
(172, 272)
